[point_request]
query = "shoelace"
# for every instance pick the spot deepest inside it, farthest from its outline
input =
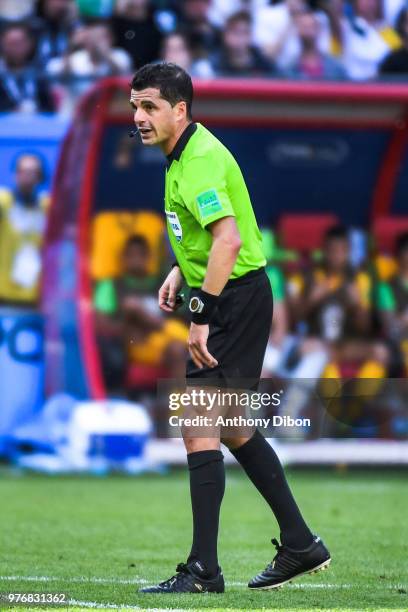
(281, 557)
(181, 570)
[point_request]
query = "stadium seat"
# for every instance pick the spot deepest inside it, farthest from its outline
(385, 231)
(304, 232)
(109, 232)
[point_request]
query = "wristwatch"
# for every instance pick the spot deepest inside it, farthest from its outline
(196, 305)
(202, 307)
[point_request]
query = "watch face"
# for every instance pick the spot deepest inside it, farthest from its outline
(196, 305)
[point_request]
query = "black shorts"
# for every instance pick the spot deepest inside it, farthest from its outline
(239, 330)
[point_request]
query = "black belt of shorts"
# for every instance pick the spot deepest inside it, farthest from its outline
(233, 282)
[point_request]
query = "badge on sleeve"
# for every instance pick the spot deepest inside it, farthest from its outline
(208, 203)
(175, 224)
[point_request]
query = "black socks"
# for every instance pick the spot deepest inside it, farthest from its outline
(263, 467)
(207, 485)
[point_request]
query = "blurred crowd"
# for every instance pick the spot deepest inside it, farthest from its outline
(52, 50)
(338, 315)
(340, 310)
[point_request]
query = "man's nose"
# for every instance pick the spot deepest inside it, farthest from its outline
(139, 115)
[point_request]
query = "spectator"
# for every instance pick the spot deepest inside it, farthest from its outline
(393, 306)
(136, 31)
(195, 19)
(129, 324)
(335, 303)
(275, 32)
(23, 212)
(237, 55)
(396, 63)
(95, 59)
(177, 50)
(312, 63)
(21, 89)
(57, 21)
(367, 39)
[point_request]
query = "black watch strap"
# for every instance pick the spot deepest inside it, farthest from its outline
(202, 306)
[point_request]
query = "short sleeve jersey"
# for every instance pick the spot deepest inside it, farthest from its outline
(203, 184)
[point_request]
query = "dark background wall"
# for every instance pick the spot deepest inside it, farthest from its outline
(287, 170)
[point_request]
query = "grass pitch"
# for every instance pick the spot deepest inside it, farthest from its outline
(99, 540)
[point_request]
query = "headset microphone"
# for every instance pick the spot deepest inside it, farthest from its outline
(133, 133)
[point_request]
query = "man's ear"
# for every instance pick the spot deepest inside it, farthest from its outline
(181, 108)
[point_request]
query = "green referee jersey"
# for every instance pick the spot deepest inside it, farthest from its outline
(203, 184)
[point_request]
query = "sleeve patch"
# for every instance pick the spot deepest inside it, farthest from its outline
(208, 203)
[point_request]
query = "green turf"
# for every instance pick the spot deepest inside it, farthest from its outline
(78, 530)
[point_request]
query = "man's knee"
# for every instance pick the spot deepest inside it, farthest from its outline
(194, 445)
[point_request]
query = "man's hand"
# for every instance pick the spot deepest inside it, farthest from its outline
(197, 346)
(169, 290)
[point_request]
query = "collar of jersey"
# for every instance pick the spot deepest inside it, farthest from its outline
(181, 143)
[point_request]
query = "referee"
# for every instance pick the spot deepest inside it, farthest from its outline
(217, 243)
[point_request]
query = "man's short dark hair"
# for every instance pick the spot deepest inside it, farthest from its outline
(182, 33)
(237, 17)
(17, 25)
(402, 244)
(137, 240)
(173, 82)
(336, 232)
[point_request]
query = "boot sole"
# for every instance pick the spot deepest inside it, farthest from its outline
(314, 570)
